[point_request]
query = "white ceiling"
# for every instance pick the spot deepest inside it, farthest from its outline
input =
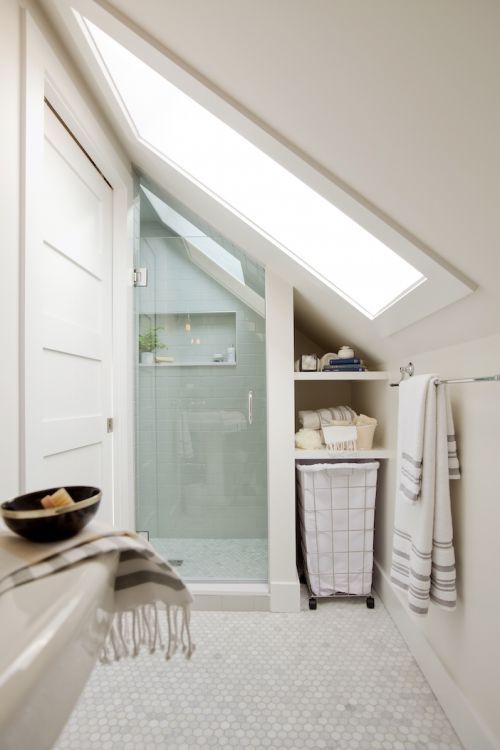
(397, 100)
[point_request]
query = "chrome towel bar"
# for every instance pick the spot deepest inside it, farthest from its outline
(408, 371)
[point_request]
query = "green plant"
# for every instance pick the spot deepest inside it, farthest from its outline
(149, 341)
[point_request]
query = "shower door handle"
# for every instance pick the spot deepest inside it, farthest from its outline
(250, 407)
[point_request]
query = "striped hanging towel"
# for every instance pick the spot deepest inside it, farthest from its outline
(423, 561)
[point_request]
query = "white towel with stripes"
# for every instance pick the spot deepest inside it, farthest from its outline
(315, 420)
(144, 584)
(412, 407)
(423, 561)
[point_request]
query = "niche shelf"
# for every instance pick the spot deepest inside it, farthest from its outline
(192, 338)
(354, 376)
(315, 390)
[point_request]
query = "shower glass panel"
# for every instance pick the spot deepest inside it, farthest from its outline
(201, 454)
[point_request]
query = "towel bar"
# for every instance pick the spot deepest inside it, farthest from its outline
(409, 370)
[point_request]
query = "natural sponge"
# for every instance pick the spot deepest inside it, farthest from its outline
(59, 499)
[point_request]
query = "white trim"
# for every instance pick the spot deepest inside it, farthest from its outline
(48, 73)
(444, 284)
(242, 292)
(285, 595)
(369, 375)
(283, 578)
(235, 587)
(231, 597)
(470, 728)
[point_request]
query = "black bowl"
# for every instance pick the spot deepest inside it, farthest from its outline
(26, 516)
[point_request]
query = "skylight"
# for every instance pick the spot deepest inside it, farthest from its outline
(361, 268)
(205, 245)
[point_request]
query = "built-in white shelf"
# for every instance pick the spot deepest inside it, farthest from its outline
(189, 364)
(324, 455)
(374, 375)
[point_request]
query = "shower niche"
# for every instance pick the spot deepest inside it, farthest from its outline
(189, 339)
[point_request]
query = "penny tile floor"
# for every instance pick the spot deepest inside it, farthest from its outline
(338, 678)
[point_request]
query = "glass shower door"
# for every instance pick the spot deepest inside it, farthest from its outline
(200, 398)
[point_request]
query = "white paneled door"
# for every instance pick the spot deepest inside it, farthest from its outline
(68, 396)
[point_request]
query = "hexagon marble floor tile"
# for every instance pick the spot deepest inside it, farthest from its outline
(338, 678)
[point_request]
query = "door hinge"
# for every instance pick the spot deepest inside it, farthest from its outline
(140, 276)
(109, 424)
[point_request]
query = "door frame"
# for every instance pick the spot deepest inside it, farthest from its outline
(49, 73)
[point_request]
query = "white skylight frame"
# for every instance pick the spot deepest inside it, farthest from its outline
(364, 271)
(206, 245)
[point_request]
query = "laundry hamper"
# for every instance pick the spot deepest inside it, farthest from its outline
(336, 512)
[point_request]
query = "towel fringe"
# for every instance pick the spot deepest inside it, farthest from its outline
(346, 445)
(141, 626)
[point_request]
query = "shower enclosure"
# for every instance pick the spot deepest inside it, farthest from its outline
(201, 454)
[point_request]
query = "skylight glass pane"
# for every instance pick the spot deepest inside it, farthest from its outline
(204, 244)
(279, 205)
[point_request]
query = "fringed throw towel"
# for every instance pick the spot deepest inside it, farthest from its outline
(144, 584)
(423, 559)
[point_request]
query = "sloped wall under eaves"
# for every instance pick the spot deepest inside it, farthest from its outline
(440, 187)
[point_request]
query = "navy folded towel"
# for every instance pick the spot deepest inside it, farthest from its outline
(350, 361)
(344, 368)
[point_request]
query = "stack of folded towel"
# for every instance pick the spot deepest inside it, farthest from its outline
(335, 428)
(337, 364)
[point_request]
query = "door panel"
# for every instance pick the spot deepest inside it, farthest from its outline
(68, 324)
(73, 183)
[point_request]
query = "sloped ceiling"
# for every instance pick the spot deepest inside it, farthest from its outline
(398, 100)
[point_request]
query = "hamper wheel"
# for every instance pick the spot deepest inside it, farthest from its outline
(313, 603)
(370, 602)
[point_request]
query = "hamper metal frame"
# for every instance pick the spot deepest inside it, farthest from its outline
(313, 597)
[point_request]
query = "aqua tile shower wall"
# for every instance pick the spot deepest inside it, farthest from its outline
(201, 468)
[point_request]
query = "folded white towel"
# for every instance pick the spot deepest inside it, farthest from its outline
(314, 420)
(308, 440)
(423, 562)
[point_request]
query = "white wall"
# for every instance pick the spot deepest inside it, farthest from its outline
(466, 640)
(10, 63)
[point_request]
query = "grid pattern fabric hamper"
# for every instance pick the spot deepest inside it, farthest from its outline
(336, 510)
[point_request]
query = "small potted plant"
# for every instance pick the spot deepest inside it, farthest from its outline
(148, 344)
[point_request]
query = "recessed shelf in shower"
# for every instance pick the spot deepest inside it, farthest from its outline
(193, 339)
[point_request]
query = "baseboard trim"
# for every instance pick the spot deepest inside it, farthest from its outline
(469, 727)
(280, 596)
(285, 596)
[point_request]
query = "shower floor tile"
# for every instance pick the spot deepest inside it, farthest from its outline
(216, 559)
(340, 678)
